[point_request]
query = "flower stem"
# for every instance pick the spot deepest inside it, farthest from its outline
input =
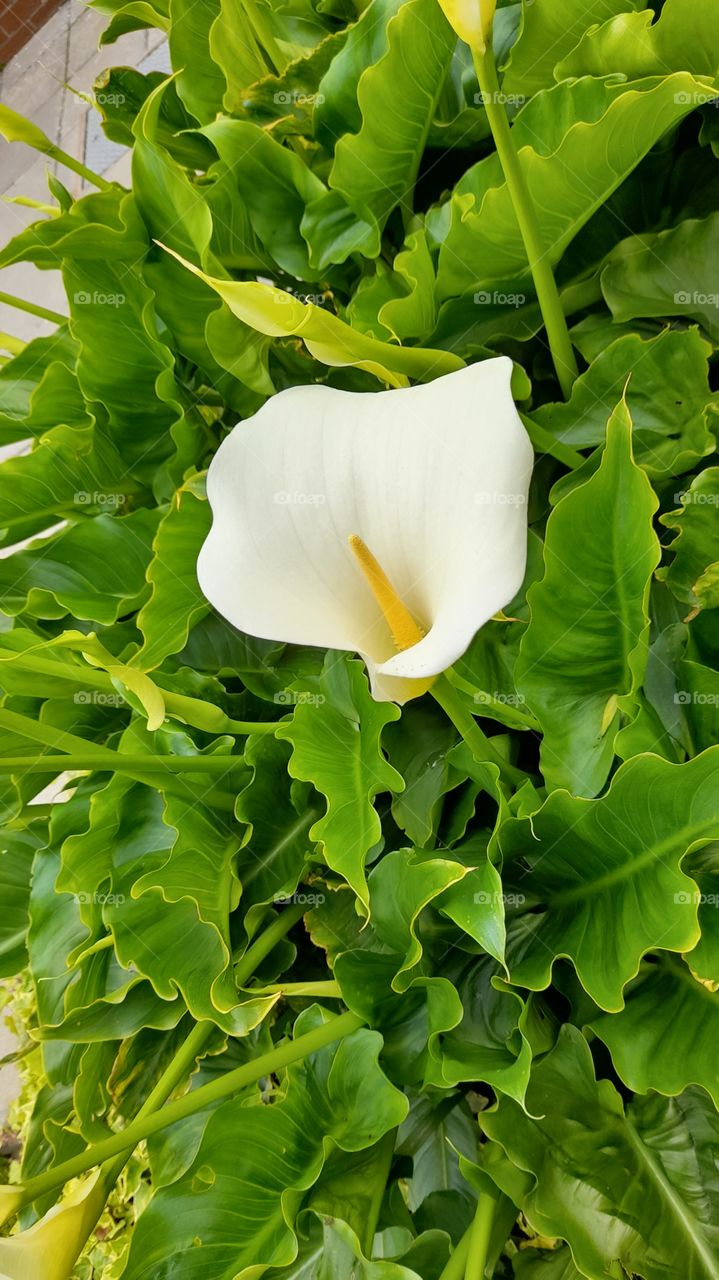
(477, 741)
(267, 941)
(86, 680)
(225, 1085)
(555, 322)
(32, 308)
(94, 179)
(454, 1269)
(479, 1237)
(105, 757)
(320, 990)
(91, 760)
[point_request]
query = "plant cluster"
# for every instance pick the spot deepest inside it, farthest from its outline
(384, 1000)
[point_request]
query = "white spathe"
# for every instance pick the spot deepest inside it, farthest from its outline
(433, 478)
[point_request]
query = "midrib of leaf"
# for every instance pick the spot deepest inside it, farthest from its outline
(268, 859)
(680, 971)
(684, 836)
(686, 1222)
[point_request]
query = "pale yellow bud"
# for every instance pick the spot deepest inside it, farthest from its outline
(471, 19)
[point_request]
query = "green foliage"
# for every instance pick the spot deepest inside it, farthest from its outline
(246, 843)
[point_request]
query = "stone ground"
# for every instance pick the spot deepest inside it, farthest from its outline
(44, 82)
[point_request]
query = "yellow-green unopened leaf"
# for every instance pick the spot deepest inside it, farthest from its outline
(50, 1248)
(279, 315)
(15, 128)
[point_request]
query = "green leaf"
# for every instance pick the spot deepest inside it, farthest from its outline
(698, 697)
(176, 602)
(417, 747)
(693, 574)
(92, 228)
(585, 646)
(666, 393)
(276, 187)
(536, 1265)
(123, 364)
(666, 1007)
(234, 49)
(72, 472)
(200, 83)
(16, 128)
(267, 1156)
(375, 168)
(489, 1044)
(550, 30)
(16, 854)
(665, 274)
(683, 38)
(38, 389)
(336, 746)
(639, 1189)
(94, 570)
(120, 93)
(570, 169)
(613, 887)
(131, 15)
(338, 110)
(276, 844)
(172, 854)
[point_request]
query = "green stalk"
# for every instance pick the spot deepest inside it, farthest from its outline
(480, 1234)
(195, 712)
(477, 741)
(76, 166)
(144, 1127)
(454, 1269)
(32, 309)
(195, 1042)
(555, 322)
(105, 757)
(90, 760)
(267, 941)
(386, 1146)
(320, 990)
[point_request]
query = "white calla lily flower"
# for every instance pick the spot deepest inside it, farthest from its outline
(389, 523)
